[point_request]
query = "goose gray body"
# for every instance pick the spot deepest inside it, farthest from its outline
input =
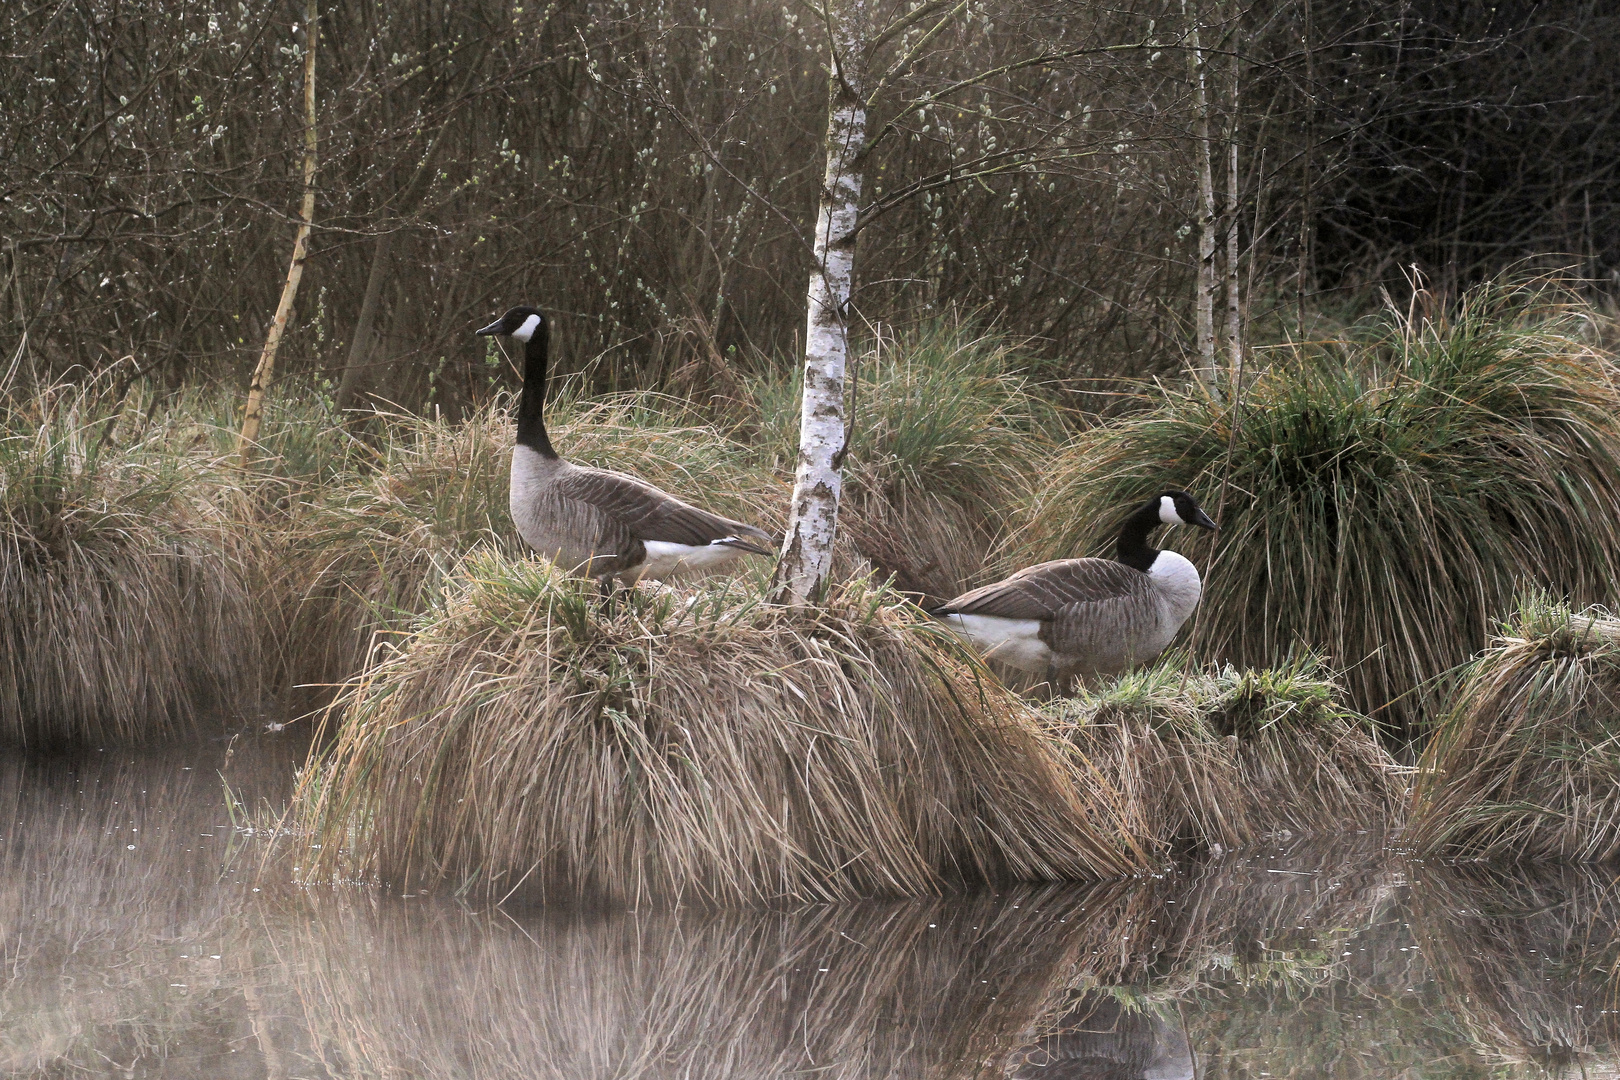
(597, 522)
(1088, 616)
(601, 523)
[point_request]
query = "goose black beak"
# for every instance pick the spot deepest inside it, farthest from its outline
(492, 328)
(1202, 520)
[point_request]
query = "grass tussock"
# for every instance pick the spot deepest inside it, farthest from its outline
(699, 747)
(1525, 761)
(124, 607)
(1192, 757)
(947, 435)
(1381, 497)
(375, 549)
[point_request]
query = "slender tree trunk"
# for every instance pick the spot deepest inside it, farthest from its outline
(355, 370)
(295, 272)
(818, 482)
(1234, 320)
(1207, 222)
(1306, 210)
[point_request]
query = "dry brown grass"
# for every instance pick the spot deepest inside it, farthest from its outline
(1525, 762)
(1187, 757)
(123, 604)
(698, 746)
(376, 548)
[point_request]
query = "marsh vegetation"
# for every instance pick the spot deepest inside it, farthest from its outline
(785, 820)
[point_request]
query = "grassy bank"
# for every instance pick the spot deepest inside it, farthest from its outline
(688, 745)
(346, 530)
(948, 442)
(1382, 497)
(124, 588)
(1525, 763)
(1192, 758)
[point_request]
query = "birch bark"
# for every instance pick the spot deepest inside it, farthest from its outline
(1234, 312)
(254, 413)
(1205, 307)
(806, 559)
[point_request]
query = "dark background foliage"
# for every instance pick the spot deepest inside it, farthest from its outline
(649, 172)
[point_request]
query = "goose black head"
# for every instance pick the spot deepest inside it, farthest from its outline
(1180, 508)
(519, 323)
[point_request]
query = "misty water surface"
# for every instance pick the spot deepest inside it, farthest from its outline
(146, 932)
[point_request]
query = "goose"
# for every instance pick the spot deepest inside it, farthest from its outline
(1088, 616)
(595, 522)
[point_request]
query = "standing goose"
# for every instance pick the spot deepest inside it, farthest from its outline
(1088, 616)
(595, 522)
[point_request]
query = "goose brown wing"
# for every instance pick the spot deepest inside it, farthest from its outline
(647, 513)
(1048, 590)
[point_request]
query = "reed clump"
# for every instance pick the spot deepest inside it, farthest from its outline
(1191, 757)
(124, 608)
(1525, 761)
(696, 746)
(1381, 497)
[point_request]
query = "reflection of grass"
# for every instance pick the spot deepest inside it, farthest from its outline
(1532, 956)
(695, 744)
(132, 926)
(1381, 498)
(939, 989)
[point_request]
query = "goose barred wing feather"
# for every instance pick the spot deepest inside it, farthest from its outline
(648, 513)
(1051, 590)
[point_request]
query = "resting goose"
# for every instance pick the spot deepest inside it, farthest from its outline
(595, 522)
(1088, 616)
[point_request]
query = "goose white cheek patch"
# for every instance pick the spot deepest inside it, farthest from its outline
(526, 331)
(1167, 511)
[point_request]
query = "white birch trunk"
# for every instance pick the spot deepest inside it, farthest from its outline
(818, 482)
(1234, 320)
(1205, 306)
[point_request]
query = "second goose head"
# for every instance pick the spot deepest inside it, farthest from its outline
(519, 322)
(1171, 508)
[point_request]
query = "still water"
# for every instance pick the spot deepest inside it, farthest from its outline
(147, 931)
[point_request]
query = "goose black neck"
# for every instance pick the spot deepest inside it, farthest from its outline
(1132, 548)
(531, 421)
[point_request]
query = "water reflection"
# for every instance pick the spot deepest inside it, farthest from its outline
(142, 940)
